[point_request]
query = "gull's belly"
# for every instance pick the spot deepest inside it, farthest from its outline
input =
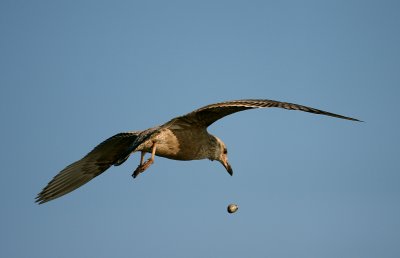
(172, 152)
(178, 145)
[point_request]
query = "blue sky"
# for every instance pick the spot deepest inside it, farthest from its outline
(74, 73)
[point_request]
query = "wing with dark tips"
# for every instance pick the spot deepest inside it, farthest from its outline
(112, 151)
(207, 115)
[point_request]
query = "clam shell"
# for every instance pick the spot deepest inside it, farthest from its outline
(232, 208)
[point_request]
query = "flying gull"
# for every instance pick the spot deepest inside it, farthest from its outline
(182, 138)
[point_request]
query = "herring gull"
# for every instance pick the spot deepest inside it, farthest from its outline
(182, 138)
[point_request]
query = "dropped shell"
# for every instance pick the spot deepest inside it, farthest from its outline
(232, 208)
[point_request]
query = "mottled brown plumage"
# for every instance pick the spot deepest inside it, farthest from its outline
(182, 138)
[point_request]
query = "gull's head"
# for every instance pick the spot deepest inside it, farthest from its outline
(220, 153)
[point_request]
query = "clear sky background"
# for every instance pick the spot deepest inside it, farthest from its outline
(74, 73)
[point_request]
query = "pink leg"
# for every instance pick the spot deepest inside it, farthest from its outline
(143, 166)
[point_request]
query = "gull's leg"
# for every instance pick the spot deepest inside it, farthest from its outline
(143, 166)
(142, 157)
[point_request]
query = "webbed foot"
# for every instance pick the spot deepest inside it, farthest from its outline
(141, 168)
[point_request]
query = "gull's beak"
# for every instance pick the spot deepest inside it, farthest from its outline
(227, 167)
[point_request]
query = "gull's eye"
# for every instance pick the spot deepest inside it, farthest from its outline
(225, 151)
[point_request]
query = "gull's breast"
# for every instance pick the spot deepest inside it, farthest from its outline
(180, 144)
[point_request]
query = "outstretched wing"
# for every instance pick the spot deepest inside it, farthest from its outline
(207, 115)
(113, 151)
